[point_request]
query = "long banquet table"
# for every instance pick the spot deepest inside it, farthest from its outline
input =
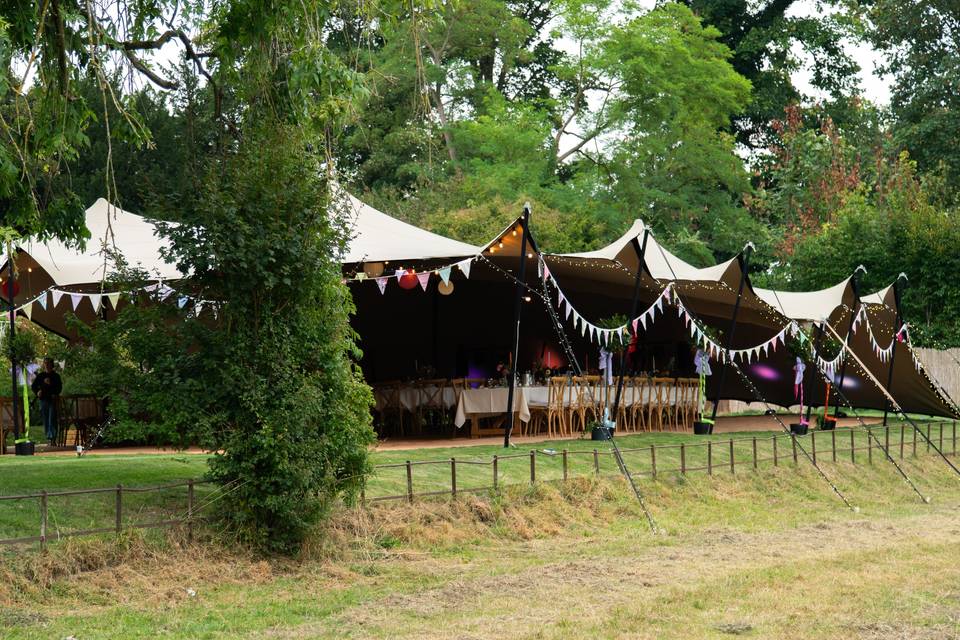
(474, 404)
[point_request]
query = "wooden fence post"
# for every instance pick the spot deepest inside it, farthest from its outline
(43, 520)
(833, 443)
(710, 457)
(409, 482)
(732, 463)
(653, 461)
(869, 446)
(495, 469)
(940, 429)
(793, 443)
(596, 462)
(754, 453)
(813, 445)
(776, 461)
(954, 437)
(914, 442)
(564, 465)
(453, 477)
(533, 466)
(928, 436)
(853, 448)
(901, 440)
(683, 460)
(119, 508)
(886, 440)
(190, 508)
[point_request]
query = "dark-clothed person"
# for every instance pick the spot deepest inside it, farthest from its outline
(48, 385)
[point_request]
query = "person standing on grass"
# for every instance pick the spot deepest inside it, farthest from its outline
(48, 385)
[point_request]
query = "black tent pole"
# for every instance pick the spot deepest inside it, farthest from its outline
(853, 318)
(733, 327)
(818, 342)
(518, 299)
(641, 251)
(897, 325)
(13, 366)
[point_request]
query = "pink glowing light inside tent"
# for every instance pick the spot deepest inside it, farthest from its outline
(765, 372)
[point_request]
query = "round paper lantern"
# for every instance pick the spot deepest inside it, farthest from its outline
(373, 269)
(445, 288)
(6, 288)
(409, 279)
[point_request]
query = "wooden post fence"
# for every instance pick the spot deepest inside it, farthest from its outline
(833, 444)
(709, 457)
(793, 444)
(653, 461)
(43, 520)
(453, 477)
(596, 462)
(683, 460)
(533, 466)
(564, 464)
(776, 462)
(731, 457)
(813, 445)
(754, 453)
(495, 469)
(409, 482)
(119, 508)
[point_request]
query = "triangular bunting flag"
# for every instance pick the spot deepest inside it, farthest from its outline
(27, 310)
(75, 299)
(643, 321)
(445, 275)
(399, 273)
(382, 283)
(182, 302)
(464, 266)
(56, 295)
(424, 279)
(569, 308)
(635, 322)
(42, 300)
(114, 299)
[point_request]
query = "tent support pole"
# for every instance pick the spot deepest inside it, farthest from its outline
(13, 366)
(517, 302)
(853, 318)
(733, 327)
(893, 351)
(641, 251)
(818, 342)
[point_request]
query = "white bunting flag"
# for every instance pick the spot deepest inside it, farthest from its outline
(445, 275)
(464, 266)
(583, 327)
(424, 279)
(569, 309)
(181, 302)
(42, 300)
(75, 299)
(114, 299)
(27, 310)
(643, 321)
(399, 273)
(56, 297)
(659, 304)
(382, 283)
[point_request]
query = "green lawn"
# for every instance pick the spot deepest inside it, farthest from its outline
(771, 554)
(432, 473)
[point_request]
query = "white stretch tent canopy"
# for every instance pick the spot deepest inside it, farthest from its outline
(376, 237)
(133, 236)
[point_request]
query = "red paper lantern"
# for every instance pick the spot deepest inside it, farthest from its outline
(409, 279)
(6, 288)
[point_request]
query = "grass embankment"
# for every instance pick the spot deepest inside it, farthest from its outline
(771, 553)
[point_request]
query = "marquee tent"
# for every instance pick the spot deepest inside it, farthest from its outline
(407, 323)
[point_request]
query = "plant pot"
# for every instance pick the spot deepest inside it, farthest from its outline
(828, 425)
(799, 429)
(702, 428)
(599, 433)
(23, 448)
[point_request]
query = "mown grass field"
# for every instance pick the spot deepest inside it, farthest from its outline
(770, 553)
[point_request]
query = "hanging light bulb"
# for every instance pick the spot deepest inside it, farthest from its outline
(500, 244)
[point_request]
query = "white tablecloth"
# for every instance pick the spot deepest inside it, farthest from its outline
(491, 401)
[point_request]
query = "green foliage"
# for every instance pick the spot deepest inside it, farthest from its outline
(21, 348)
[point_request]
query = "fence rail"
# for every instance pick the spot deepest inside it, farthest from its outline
(118, 526)
(856, 445)
(461, 476)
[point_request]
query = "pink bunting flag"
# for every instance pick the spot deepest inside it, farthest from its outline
(382, 283)
(424, 279)
(635, 322)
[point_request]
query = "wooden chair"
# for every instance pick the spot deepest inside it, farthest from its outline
(391, 411)
(640, 409)
(558, 407)
(689, 388)
(6, 421)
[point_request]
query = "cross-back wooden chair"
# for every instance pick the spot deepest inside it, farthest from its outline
(559, 410)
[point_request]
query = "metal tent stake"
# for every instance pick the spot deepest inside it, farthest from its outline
(518, 299)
